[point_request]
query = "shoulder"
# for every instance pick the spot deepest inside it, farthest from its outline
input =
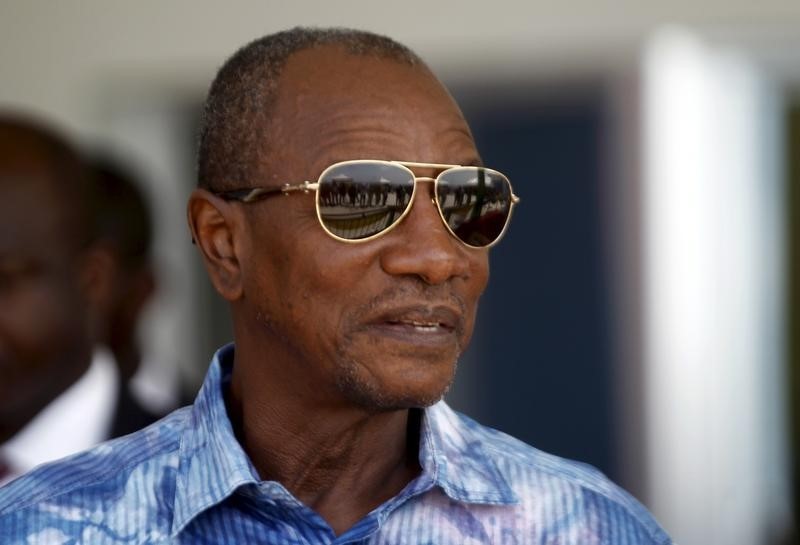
(567, 489)
(514, 455)
(89, 487)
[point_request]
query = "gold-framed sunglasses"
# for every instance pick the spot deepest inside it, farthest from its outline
(360, 200)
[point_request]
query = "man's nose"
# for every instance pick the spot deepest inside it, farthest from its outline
(422, 246)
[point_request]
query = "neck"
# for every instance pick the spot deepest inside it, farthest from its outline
(343, 462)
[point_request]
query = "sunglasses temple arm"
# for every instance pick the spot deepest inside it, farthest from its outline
(262, 192)
(305, 187)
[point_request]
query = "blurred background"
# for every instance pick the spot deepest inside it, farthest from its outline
(644, 309)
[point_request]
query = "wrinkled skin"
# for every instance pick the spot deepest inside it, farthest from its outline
(335, 342)
(325, 304)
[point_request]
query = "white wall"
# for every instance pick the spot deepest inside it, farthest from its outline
(714, 300)
(53, 55)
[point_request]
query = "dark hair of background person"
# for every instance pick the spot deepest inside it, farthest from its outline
(124, 225)
(122, 212)
(234, 132)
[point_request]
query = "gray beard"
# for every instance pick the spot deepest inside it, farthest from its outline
(370, 397)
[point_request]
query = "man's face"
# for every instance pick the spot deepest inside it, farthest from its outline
(379, 324)
(43, 337)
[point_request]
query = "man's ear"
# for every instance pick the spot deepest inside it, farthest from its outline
(216, 228)
(98, 268)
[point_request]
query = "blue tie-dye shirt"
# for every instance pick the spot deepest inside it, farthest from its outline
(185, 479)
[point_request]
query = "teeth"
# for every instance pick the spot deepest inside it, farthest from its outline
(425, 326)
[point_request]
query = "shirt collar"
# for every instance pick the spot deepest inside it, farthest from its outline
(213, 464)
(451, 451)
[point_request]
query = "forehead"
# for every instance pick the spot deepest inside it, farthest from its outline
(332, 105)
(33, 219)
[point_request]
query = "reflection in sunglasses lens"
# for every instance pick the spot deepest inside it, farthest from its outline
(359, 200)
(475, 203)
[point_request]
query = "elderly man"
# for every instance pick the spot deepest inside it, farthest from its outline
(335, 219)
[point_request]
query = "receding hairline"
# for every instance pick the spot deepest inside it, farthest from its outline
(234, 135)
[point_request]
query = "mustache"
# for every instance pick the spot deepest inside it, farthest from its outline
(415, 293)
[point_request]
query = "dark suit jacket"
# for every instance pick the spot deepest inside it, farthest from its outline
(129, 415)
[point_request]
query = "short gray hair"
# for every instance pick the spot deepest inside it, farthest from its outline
(236, 116)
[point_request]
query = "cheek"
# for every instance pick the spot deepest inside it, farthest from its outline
(481, 268)
(479, 276)
(333, 289)
(28, 318)
(304, 286)
(338, 284)
(474, 286)
(41, 338)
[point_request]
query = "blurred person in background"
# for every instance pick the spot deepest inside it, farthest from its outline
(59, 394)
(124, 226)
(352, 292)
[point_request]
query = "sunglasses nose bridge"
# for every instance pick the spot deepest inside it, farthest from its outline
(425, 190)
(427, 180)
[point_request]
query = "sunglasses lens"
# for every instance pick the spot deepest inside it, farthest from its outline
(359, 199)
(475, 203)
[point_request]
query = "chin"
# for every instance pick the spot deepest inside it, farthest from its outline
(392, 394)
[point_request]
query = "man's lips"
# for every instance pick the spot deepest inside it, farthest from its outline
(418, 324)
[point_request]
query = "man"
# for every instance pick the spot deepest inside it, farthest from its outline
(62, 289)
(323, 424)
(53, 400)
(124, 228)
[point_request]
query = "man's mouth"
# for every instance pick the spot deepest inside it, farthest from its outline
(420, 324)
(422, 327)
